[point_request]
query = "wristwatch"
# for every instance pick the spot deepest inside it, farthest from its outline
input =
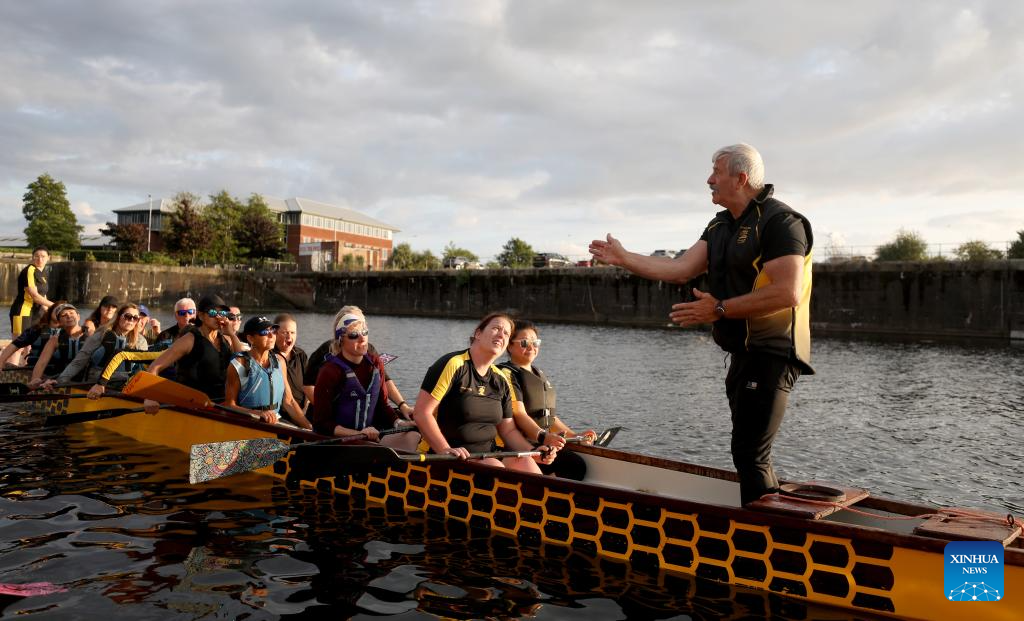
(720, 310)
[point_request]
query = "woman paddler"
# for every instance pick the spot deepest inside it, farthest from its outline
(122, 334)
(536, 400)
(201, 355)
(59, 351)
(256, 380)
(349, 397)
(473, 400)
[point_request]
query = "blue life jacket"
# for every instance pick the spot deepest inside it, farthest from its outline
(354, 405)
(260, 388)
(67, 349)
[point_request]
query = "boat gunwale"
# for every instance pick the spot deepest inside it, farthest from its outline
(1013, 553)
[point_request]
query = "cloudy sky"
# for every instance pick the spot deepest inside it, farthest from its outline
(554, 121)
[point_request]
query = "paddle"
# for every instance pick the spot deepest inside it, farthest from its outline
(238, 456)
(206, 467)
(149, 386)
(16, 389)
(42, 396)
(603, 439)
(55, 420)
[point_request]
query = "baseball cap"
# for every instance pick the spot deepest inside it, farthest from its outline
(211, 301)
(255, 324)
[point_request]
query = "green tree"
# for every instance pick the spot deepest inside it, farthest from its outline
(51, 222)
(401, 258)
(516, 253)
(1016, 250)
(187, 233)
(976, 250)
(130, 238)
(223, 215)
(257, 233)
(352, 262)
(908, 246)
(427, 261)
(451, 251)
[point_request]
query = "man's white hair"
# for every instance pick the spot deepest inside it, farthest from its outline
(743, 158)
(183, 302)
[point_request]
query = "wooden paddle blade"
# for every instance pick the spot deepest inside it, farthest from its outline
(56, 420)
(220, 459)
(147, 385)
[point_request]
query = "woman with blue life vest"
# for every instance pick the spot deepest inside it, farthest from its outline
(122, 334)
(350, 397)
(466, 402)
(60, 350)
(255, 379)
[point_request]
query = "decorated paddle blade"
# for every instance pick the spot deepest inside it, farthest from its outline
(220, 459)
(386, 358)
(150, 386)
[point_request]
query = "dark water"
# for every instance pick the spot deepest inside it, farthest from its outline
(116, 524)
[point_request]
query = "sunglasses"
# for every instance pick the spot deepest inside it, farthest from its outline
(129, 317)
(213, 312)
(234, 317)
(524, 343)
(355, 334)
(186, 312)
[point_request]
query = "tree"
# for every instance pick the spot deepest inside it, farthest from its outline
(187, 232)
(402, 258)
(51, 222)
(352, 262)
(223, 216)
(130, 238)
(257, 233)
(1016, 250)
(451, 251)
(426, 261)
(976, 250)
(908, 246)
(516, 253)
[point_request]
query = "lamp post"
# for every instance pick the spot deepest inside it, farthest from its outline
(149, 227)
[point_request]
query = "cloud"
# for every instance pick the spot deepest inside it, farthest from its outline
(552, 119)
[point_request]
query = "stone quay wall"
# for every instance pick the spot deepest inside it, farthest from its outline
(933, 300)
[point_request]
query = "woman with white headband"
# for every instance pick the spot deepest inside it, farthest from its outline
(350, 397)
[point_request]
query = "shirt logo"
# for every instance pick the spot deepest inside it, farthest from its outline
(480, 390)
(741, 237)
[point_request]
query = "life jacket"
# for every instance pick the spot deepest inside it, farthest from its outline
(354, 405)
(204, 368)
(260, 388)
(109, 346)
(67, 349)
(37, 346)
(539, 396)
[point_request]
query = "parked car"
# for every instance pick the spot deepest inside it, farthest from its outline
(664, 253)
(459, 263)
(550, 259)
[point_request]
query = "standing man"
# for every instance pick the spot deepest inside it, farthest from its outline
(757, 255)
(31, 302)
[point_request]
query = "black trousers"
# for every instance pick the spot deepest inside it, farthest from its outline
(758, 386)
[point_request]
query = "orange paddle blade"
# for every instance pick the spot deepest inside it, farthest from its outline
(150, 386)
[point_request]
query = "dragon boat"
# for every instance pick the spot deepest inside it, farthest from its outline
(826, 544)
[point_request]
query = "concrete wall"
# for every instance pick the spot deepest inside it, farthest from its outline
(897, 300)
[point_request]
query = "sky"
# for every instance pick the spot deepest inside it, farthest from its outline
(474, 121)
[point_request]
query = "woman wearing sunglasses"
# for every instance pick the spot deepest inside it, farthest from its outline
(349, 397)
(124, 333)
(256, 381)
(536, 400)
(202, 353)
(465, 401)
(59, 351)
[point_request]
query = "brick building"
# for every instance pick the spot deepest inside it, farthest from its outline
(318, 235)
